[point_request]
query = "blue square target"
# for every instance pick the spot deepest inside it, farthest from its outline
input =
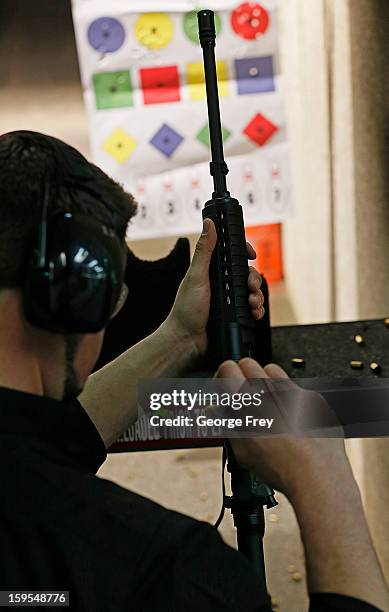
(255, 75)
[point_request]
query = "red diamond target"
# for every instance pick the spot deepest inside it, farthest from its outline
(160, 85)
(260, 130)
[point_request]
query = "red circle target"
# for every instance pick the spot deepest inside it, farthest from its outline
(250, 20)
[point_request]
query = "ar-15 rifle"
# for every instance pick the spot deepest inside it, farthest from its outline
(231, 328)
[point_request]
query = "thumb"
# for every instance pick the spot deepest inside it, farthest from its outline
(203, 252)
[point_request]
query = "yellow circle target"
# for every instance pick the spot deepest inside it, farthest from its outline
(154, 30)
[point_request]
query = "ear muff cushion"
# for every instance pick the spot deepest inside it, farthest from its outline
(78, 288)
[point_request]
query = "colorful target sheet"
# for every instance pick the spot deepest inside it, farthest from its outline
(143, 79)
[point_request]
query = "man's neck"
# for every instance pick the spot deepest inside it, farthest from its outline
(19, 371)
(28, 360)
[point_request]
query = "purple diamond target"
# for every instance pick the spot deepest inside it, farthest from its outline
(255, 75)
(106, 34)
(166, 140)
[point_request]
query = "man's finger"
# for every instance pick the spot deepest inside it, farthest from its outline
(274, 371)
(251, 368)
(256, 300)
(199, 269)
(251, 251)
(254, 279)
(229, 369)
(232, 376)
(277, 373)
(258, 313)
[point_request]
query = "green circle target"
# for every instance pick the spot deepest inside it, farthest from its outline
(191, 27)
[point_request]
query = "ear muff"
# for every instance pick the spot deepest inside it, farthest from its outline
(75, 287)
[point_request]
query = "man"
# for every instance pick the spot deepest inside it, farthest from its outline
(63, 529)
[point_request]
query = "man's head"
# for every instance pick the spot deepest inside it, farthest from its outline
(28, 161)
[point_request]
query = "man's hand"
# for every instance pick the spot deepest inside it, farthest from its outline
(189, 315)
(282, 462)
(316, 477)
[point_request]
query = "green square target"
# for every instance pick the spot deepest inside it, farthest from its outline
(113, 89)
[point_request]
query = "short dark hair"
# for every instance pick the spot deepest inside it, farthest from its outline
(28, 162)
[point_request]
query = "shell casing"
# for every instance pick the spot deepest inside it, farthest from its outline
(375, 367)
(356, 365)
(298, 362)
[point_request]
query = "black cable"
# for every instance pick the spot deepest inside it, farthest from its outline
(221, 515)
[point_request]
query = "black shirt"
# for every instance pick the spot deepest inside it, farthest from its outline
(62, 528)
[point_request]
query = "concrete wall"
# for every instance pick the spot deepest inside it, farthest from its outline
(369, 43)
(360, 110)
(361, 199)
(307, 236)
(369, 28)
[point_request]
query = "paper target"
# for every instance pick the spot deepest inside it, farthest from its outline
(144, 86)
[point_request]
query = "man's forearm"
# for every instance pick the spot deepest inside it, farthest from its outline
(340, 556)
(110, 395)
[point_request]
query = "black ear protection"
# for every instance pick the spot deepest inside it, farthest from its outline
(75, 276)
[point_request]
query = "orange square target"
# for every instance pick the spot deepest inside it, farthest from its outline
(266, 240)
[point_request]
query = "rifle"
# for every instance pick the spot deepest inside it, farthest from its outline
(230, 327)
